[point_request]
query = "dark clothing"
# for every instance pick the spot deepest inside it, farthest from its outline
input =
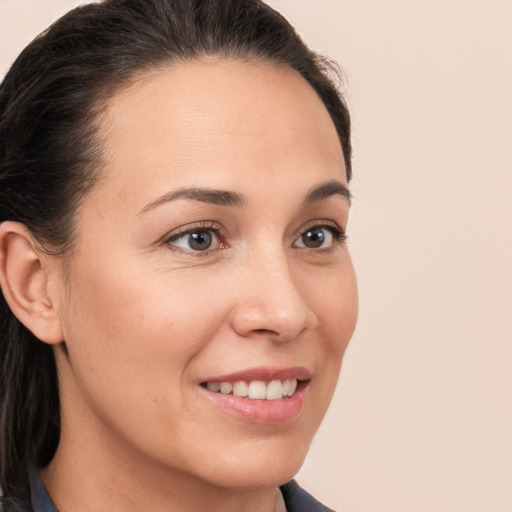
(41, 502)
(296, 499)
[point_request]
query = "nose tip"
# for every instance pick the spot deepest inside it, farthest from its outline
(284, 324)
(272, 307)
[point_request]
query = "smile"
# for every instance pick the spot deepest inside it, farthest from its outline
(261, 395)
(256, 389)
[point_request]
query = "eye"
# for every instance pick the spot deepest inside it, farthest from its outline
(196, 240)
(319, 237)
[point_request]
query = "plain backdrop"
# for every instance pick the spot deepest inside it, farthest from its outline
(422, 419)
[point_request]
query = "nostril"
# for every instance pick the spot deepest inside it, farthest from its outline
(265, 331)
(280, 336)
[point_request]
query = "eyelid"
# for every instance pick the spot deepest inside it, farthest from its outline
(321, 223)
(177, 233)
(337, 232)
(204, 225)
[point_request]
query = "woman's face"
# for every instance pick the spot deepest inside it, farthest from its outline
(211, 254)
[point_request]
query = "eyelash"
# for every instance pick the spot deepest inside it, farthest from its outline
(339, 236)
(205, 226)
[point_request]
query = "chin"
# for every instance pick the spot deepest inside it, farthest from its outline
(264, 477)
(270, 464)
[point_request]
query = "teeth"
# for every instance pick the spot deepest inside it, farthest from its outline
(286, 387)
(226, 388)
(274, 390)
(213, 386)
(240, 388)
(257, 389)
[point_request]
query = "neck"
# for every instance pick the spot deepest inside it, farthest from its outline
(91, 483)
(94, 470)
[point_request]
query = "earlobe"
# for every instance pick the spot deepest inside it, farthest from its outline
(24, 279)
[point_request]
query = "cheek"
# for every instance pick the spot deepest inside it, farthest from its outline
(135, 318)
(332, 295)
(132, 339)
(334, 299)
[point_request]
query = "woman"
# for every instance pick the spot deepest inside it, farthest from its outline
(178, 291)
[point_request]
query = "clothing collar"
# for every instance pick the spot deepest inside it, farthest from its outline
(41, 501)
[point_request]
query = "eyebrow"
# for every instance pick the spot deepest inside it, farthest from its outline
(228, 198)
(205, 195)
(328, 189)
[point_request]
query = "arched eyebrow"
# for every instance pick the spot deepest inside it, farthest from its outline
(205, 195)
(330, 188)
(229, 198)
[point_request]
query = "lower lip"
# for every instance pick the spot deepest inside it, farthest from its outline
(263, 412)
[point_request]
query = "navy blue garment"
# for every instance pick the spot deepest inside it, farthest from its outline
(295, 498)
(41, 501)
(298, 500)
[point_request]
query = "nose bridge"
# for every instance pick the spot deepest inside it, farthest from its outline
(270, 302)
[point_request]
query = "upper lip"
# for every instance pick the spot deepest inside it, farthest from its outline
(266, 374)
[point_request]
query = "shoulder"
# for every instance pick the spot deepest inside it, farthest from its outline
(298, 500)
(37, 501)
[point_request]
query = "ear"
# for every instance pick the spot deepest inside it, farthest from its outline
(24, 278)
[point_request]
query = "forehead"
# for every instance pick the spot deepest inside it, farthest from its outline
(217, 121)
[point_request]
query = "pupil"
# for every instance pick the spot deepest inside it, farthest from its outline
(314, 238)
(200, 241)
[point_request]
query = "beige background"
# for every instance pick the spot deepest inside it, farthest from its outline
(422, 420)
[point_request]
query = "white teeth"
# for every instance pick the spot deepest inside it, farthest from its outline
(213, 386)
(240, 388)
(257, 389)
(226, 388)
(293, 387)
(274, 390)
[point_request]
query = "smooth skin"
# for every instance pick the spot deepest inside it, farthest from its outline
(141, 314)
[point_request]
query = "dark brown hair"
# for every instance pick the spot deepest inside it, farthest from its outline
(49, 156)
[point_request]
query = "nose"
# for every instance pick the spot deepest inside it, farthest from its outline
(270, 304)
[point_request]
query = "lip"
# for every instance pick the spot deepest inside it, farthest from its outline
(266, 374)
(262, 412)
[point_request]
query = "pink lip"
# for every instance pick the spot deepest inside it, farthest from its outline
(263, 412)
(266, 374)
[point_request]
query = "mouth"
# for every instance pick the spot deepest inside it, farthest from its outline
(256, 389)
(260, 396)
